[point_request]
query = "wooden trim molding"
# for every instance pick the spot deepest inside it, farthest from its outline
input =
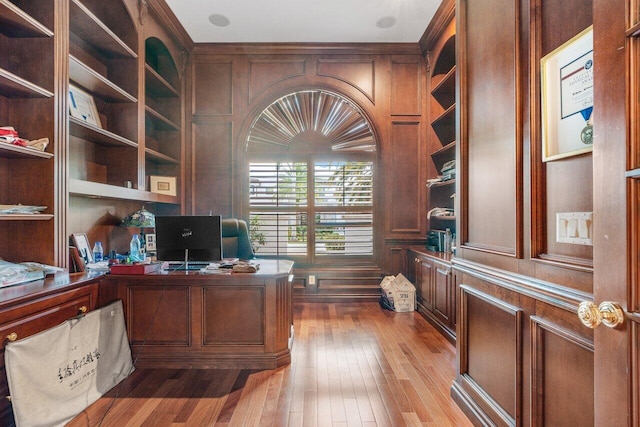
(168, 18)
(306, 49)
(445, 13)
(546, 292)
(490, 249)
(538, 170)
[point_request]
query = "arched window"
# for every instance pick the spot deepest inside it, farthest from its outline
(311, 169)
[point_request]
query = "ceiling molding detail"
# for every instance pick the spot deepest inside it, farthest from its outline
(338, 119)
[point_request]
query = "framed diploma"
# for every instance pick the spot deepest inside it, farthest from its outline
(82, 106)
(567, 98)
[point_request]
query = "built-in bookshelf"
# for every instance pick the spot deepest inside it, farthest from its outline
(442, 186)
(97, 48)
(162, 111)
(27, 103)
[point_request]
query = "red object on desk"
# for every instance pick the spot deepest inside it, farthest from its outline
(135, 268)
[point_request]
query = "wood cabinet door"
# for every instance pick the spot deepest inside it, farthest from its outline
(425, 282)
(442, 293)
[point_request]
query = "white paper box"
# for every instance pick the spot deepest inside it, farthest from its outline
(400, 292)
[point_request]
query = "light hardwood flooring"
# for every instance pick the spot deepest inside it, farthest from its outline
(352, 365)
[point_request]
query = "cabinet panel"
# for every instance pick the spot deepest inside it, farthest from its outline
(442, 293)
(492, 350)
(360, 74)
(406, 88)
(212, 148)
(558, 400)
(265, 73)
(214, 94)
(493, 139)
(425, 282)
(147, 306)
(406, 184)
(226, 306)
(432, 276)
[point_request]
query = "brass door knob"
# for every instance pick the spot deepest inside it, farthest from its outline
(608, 313)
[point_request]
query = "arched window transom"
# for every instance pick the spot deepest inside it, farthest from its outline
(342, 123)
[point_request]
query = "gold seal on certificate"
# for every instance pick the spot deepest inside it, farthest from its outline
(586, 136)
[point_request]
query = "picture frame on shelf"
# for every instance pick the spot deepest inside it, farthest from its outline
(567, 98)
(150, 242)
(81, 242)
(163, 185)
(76, 263)
(82, 106)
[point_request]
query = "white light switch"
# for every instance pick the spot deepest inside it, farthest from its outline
(574, 227)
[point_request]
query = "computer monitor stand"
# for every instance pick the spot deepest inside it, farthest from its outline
(186, 259)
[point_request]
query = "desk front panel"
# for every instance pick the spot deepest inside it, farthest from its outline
(207, 321)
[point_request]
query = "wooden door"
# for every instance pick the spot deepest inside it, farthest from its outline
(616, 216)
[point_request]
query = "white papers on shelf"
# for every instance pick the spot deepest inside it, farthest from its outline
(215, 269)
(98, 266)
(14, 274)
(20, 209)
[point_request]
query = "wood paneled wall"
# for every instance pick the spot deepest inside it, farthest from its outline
(231, 84)
(524, 357)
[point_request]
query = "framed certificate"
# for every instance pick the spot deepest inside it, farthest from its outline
(82, 106)
(567, 98)
(163, 185)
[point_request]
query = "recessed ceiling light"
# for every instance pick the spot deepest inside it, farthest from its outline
(219, 20)
(386, 22)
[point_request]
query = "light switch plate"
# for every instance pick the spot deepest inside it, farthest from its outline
(575, 228)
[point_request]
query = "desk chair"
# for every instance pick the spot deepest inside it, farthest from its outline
(235, 239)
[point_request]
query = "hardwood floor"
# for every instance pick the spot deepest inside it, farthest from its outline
(352, 365)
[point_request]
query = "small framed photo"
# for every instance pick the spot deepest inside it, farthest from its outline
(163, 185)
(81, 242)
(150, 242)
(82, 106)
(567, 98)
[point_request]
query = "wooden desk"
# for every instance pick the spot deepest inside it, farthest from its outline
(192, 320)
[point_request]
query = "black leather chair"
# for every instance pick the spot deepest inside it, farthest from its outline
(235, 239)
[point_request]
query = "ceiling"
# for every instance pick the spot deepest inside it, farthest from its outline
(304, 21)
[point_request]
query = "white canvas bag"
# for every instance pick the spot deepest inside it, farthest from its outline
(56, 374)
